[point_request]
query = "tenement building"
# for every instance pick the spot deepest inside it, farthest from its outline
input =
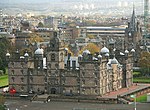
(53, 70)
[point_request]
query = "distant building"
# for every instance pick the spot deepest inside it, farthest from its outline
(51, 22)
(125, 36)
(1, 18)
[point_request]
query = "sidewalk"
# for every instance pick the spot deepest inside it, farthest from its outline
(125, 91)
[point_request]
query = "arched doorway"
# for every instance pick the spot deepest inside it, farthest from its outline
(53, 91)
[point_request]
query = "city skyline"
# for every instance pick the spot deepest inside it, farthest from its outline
(84, 7)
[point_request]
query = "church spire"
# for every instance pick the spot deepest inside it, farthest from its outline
(133, 21)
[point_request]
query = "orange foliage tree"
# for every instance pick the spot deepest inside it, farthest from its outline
(93, 48)
(35, 38)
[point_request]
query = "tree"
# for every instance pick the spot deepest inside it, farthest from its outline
(35, 38)
(90, 36)
(40, 24)
(144, 63)
(93, 48)
(4, 46)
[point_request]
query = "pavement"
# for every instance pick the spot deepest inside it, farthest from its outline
(22, 104)
(125, 91)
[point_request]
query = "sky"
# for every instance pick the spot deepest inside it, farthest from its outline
(40, 1)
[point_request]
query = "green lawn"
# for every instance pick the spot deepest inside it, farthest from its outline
(136, 73)
(141, 80)
(3, 80)
(142, 98)
(2, 107)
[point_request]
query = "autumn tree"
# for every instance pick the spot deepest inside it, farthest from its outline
(90, 36)
(69, 50)
(144, 63)
(93, 48)
(40, 24)
(35, 38)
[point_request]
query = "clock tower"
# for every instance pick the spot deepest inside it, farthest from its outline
(55, 63)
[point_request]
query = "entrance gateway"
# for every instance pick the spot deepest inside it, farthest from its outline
(53, 90)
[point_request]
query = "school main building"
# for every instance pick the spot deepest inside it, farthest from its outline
(54, 71)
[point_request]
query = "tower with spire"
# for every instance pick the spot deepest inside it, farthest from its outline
(133, 31)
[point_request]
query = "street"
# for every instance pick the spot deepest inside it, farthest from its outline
(20, 104)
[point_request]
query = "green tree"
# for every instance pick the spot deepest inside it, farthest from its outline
(144, 63)
(4, 46)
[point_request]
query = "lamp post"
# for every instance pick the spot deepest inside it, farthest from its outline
(134, 96)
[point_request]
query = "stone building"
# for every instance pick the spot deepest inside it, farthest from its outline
(54, 71)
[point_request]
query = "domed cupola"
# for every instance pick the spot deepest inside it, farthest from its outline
(104, 50)
(86, 55)
(114, 61)
(86, 52)
(80, 57)
(39, 53)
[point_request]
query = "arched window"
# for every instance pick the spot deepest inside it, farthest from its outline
(61, 57)
(52, 57)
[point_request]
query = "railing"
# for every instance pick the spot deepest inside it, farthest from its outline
(33, 97)
(95, 109)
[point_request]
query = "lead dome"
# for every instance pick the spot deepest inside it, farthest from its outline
(104, 50)
(39, 51)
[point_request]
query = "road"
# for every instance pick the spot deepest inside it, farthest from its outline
(21, 104)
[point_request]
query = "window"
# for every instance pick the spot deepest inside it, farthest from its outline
(83, 91)
(13, 79)
(22, 64)
(45, 79)
(22, 88)
(61, 57)
(31, 79)
(30, 72)
(53, 57)
(96, 82)
(64, 90)
(83, 74)
(49, 65)
(96, 91)
(21, 71)
(83, 82)
(96, 74)
(56, 65)
(12, 72)
(12, 64)
(22, 79)
(78, 81)
(64, 81)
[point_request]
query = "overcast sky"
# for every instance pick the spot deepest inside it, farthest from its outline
(39, 1)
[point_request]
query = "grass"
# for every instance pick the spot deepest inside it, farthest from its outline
(141, 80)
(136, 73)
(2, 107)
(3, 80)
(142, 98)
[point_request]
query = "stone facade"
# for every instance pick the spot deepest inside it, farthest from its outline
(47, 72)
